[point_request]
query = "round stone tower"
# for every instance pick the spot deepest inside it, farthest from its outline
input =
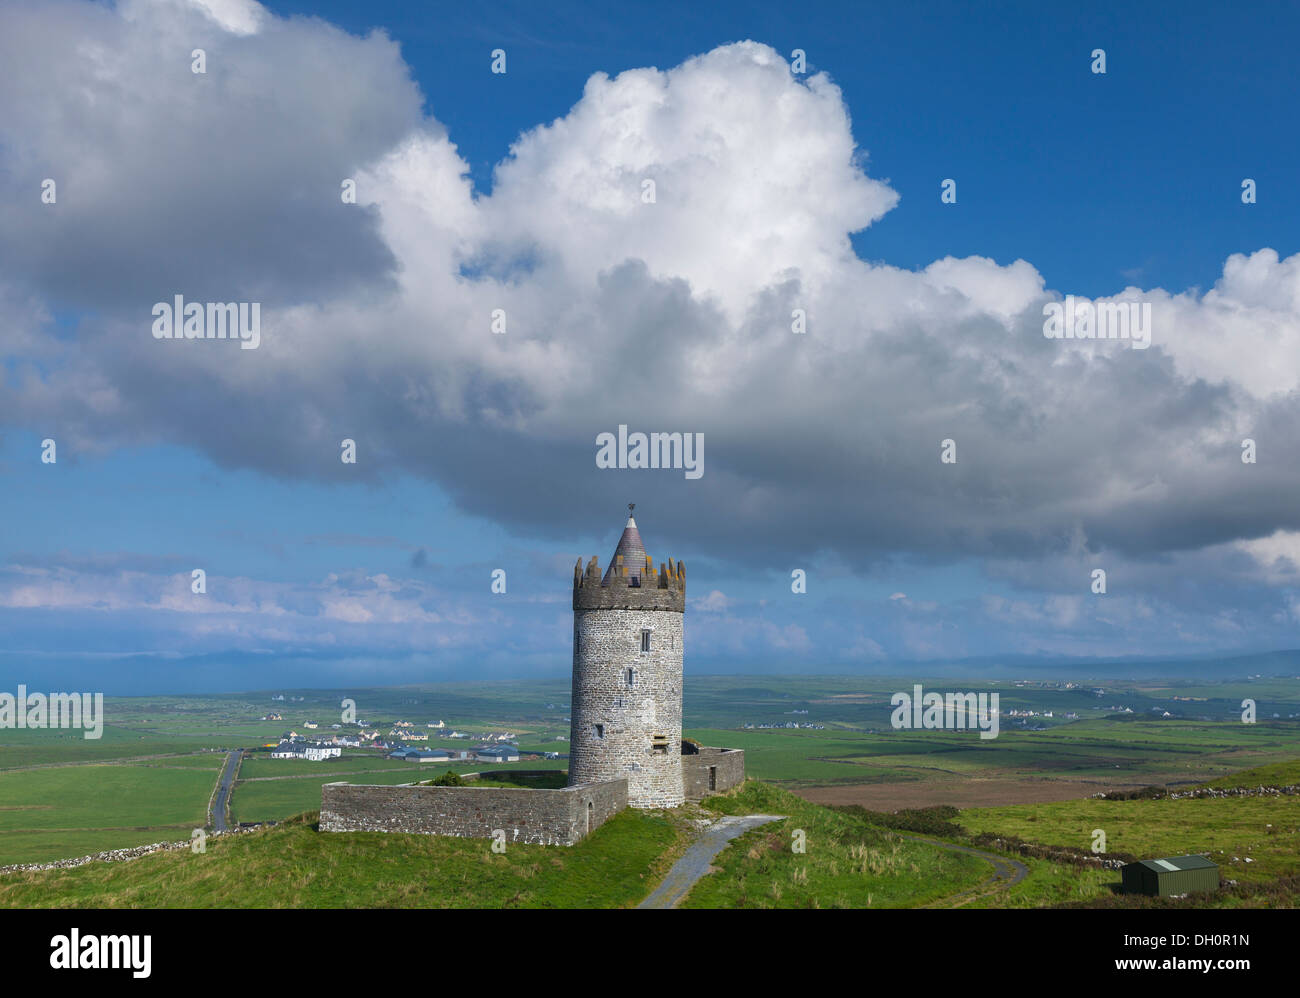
(627, 674)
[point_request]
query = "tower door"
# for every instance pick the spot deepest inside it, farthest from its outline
(713, 777)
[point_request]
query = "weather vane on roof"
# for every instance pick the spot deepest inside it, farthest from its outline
(630, 506)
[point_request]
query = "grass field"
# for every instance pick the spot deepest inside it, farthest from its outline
(850, 859)
(20, 750)
(847, 863)
(274, 800)
(293, 866)
(1251, 838)
(1050, 884)
(300, 789)
(46, 812)
(1106, 751)
(260, 766)
(1276, 774)
(146, 780)
(210, 761)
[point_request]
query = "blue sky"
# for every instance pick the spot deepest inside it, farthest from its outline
(476, 453)
(1053, 164)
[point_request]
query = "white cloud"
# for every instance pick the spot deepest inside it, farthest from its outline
(240, 17)
(377, 315)
(1278, 555)
(715, 602)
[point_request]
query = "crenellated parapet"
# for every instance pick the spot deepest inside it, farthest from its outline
(630, 587)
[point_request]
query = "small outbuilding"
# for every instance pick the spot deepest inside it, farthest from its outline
(1174, 875)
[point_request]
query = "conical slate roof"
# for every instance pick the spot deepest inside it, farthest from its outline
(633, 552)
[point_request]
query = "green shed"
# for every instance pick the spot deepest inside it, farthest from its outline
(1175, 875)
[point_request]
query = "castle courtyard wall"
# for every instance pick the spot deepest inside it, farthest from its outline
(729, 766)
(535, 817)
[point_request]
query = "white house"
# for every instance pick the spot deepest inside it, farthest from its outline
(301, 750)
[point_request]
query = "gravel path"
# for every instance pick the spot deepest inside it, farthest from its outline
(696, 861)
(1005, 872)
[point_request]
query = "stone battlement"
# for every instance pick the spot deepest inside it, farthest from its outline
(638, 589)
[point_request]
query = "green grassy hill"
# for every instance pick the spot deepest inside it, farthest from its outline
(852, 858)
(1231, 830)
(58, 811)
(1255, 841)
(847, 863)
(62, 795)
(294, 866)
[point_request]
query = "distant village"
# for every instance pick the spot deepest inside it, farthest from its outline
(407, 741)
(492, 746)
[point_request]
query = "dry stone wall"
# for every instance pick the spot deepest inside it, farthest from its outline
(536, 817)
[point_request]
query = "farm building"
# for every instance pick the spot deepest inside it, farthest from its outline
(424, 755)
(498, 753)
(1175, 875)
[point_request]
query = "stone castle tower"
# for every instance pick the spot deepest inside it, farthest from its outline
(627, 674)
(625, 746)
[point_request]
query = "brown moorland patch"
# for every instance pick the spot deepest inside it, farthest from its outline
(956, 793)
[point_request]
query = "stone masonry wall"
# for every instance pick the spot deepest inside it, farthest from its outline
(606, 643)
(537, 817)
(730, 765)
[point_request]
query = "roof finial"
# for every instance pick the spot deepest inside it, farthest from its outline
(630, 506)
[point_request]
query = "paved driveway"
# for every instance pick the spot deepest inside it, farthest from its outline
(223, 792)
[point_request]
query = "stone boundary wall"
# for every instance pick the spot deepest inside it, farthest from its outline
(730, 765)
(536, 817)
(116, 855)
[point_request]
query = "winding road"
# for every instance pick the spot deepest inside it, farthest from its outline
(695, 862)
(223, 791)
